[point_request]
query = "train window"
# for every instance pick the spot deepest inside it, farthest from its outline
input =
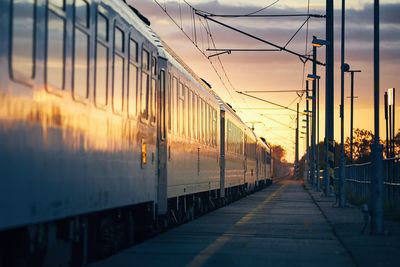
(55, 55)
(58, 3)
(102, 27)
(182, 109)
(203, 121)
(214, 127)
(153, 89)
(22, 38)
(154, 66)
(101, 80)
(81, 64)
(200, 119)
(175, 103)
(187, 111)
(207, 113)
(118, 85)
(190, 112)
(162, 105)
(133, 50)
(132, 90)
(144, 93)
(133, 78)
(82, 12)
(194, 116)
(145, 60)
(153, 100)
(199, 136)
(119, 39)
(209, 125)
(101, 74)
(169, 98)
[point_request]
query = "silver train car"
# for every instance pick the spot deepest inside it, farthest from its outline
(106, 135)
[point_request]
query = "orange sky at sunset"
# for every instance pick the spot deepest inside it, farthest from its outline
(257, 71)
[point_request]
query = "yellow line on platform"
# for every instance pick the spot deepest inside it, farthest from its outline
(209, 251)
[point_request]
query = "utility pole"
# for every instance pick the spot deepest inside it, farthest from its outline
(342, 165)
(307, 135)
(313, 118)
(329, 96)
(318, 165)
(297, 144)
(376, 147)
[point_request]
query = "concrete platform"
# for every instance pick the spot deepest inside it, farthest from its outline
(365, 249)
(279, 226)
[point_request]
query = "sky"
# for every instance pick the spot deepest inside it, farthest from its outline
(257, 71)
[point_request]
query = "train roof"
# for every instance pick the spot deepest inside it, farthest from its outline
(142, 24)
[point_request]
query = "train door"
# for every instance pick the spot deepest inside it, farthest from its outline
(162, 139)
(222, 154)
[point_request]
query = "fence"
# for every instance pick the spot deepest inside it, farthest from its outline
(358, 181)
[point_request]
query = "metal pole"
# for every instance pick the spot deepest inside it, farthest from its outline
(394, 141)
(387, 124)
(307, 135)
(297, 144)
(351, 114)
(329, 97)
(390, 131)
(313, 119)
(318, 180)
(342, 165)
(394, 122)
(376, 147)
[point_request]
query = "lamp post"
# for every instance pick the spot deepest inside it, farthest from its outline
(376, 147)
(297, 144)
(308, 133)
(314, 77)
(329, 150)
(342, 165)
(318, 165)
(347, 69)
(329, 97)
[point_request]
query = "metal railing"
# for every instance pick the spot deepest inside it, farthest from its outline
(358, 181)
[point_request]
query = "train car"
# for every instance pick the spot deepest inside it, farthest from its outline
(232, 152)
(77, 128)
(106, 134)
(192, 157)
(264, 175)
(251, 175)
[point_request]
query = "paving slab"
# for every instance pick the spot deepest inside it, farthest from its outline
(347, 223)
(278, 226)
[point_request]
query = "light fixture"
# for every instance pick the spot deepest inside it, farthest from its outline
(390, 96)
(319, 42)
(312, 77)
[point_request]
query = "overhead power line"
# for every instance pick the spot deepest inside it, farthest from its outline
(269, 102)
(302, 57)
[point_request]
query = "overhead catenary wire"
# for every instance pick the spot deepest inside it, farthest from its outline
(195, 43)
(270, 102)
(262, 9)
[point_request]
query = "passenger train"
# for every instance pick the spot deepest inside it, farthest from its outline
(106, 135)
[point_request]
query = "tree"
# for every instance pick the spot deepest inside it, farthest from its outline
(280, 165)
(362, 140)
(397, 144)
(278, 153)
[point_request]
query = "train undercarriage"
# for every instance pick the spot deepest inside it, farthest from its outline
(76, 241)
